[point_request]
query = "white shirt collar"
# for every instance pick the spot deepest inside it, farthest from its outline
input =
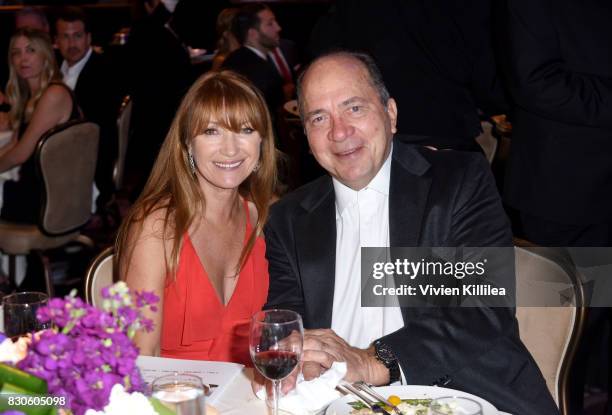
(75, 70)
(257, 52)
(345, 196)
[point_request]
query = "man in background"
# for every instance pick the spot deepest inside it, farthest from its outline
(256, 28)
(89, 75)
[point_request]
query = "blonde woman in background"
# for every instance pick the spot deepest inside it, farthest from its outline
(194, 237)
(39, 101)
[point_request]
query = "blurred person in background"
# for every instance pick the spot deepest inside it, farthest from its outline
(33, 18)
(256, 28)
(39, 101)
(559, 174)
(194, 237)
(90, 76)
(436, 58)
(158, 74)
(30, 17)
(226, 42)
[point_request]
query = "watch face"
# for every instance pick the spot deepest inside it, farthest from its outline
(384, 353)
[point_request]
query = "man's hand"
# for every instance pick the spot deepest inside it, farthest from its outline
(324, 347)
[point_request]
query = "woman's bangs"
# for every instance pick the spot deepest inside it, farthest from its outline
(230, 106)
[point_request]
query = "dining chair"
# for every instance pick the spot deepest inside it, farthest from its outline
(99, 275)
(124, 132)
(67, 187)
(545, 278)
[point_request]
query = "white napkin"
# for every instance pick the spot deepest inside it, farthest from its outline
(309, 397)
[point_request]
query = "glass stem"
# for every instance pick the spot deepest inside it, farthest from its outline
(275, 395)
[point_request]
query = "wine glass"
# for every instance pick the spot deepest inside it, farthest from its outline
(275, 342)
(182, 393)
(20, 312)
(455, 405)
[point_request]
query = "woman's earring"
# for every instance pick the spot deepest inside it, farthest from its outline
(191, 162)
(256, 168)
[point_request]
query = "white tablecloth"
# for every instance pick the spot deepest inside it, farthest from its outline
(238, 398)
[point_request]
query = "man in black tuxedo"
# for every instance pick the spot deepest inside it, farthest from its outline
(384, 191)
(435, 56)
(90, 76)
(256, 28)
(559, 173)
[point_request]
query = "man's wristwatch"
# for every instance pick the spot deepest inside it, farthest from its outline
(385, 355)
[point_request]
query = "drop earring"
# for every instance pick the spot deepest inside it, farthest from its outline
(191, 162)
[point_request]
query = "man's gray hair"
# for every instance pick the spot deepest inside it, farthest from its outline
(374, 75)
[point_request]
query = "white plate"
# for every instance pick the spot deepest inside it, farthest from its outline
(341, 407)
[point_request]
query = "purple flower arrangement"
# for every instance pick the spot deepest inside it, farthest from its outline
(89, 350)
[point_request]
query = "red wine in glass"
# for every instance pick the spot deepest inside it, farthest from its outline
(276, 364)
(275, 343)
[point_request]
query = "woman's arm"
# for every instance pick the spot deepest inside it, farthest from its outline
(146, 270)
(53, 108)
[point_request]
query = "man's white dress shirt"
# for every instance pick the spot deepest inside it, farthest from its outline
(71, 73)
(362, 220)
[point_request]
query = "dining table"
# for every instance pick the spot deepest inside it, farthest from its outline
(238, 397)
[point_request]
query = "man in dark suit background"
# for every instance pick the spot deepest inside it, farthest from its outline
(559, 174)
(159, 73)
(256, 28)
(385, 192)
(91, 78)
(435, 56)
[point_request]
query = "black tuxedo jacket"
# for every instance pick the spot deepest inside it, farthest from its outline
(560, 63)
(436, 198)
(97, 94)
(260, 72)
(96, 91)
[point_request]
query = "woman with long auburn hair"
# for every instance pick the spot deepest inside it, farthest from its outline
(194, 236)
(39, 101)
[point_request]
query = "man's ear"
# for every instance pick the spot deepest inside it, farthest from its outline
(392, 111)
(251, 35)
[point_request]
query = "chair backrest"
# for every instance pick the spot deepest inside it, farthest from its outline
(124, 132)
(66, 163)
(551, 334)
(99, 275)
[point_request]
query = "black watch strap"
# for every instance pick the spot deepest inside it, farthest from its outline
(385, 355)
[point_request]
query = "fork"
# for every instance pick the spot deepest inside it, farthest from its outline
(347, 387)
(370, 391)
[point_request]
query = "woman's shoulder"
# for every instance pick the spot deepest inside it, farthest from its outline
(56, 94)
(155, 222)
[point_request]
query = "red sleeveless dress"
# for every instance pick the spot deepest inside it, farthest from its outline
(196, 324)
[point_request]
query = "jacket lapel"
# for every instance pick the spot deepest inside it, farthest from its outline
(408, 193)
(315, 239)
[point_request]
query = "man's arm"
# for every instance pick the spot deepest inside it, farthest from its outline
(453, 338)
(541, 81)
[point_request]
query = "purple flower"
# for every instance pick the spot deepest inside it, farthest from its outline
(88, 350)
